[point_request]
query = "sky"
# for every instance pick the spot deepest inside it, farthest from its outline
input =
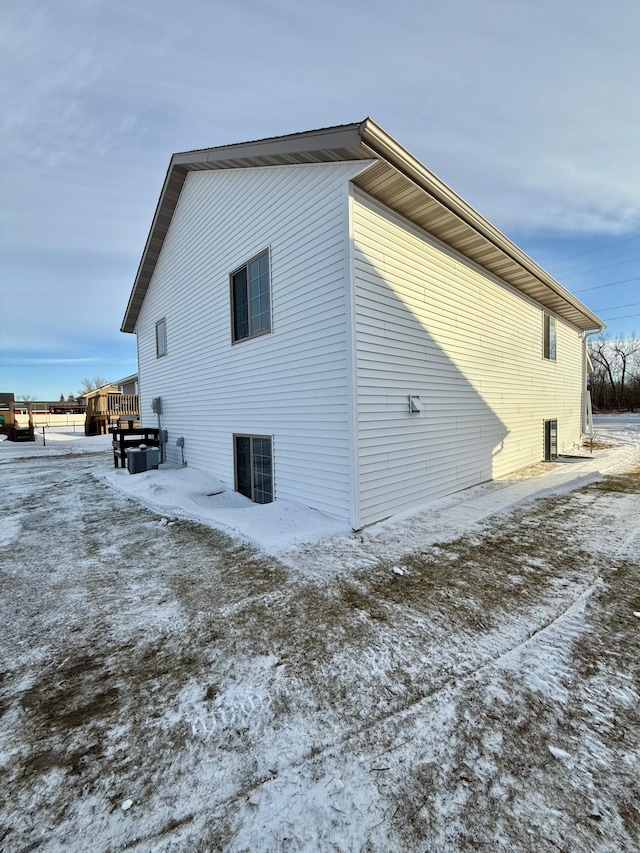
(528, 110)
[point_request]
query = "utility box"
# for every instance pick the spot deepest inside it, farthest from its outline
(136, 460)
(153, 457)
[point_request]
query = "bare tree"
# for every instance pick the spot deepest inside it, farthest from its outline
(604, 363)
(625, 349)
(634, 381)
(92, 384)
(616, 377)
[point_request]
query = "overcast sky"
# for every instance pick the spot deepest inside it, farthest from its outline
(529, 110)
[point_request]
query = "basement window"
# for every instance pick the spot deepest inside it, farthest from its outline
(251, 299)
(254, 467)
(549, 345)
(550, 440)
(161, 338)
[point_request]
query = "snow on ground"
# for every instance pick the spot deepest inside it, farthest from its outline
(620, 429)
(57, 441)
(461, 677)
(278, 527)
(188, 493)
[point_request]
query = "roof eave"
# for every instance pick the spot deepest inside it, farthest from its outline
(171, 188)
(341, 138)
(386, 147)
(360, 140)
(338, 137)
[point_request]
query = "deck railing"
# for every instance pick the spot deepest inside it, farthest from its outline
(113, 405)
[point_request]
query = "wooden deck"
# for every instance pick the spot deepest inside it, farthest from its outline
(17, 426)
(106, 408)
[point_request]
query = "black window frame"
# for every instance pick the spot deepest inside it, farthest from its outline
(161, 324)
(549, 339)
(257, 482)
(550, 453)
(240, 307)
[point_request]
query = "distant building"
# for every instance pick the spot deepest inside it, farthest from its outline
(128, 385)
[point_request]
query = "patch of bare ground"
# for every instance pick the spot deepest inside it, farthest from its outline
(221, 572)
(608, 667)
(550, 767)
(167, 664)
(536, 769)
(369, 645)
(89, 722)
(597, 445)
(627, 483)
(98, 647)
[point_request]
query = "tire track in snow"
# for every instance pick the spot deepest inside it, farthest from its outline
(557, 632)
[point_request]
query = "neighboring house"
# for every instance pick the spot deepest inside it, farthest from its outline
(128, 385)
(325, 321)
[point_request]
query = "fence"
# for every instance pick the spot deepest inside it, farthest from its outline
(41, 419)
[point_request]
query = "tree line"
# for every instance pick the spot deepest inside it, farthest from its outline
(615, 381)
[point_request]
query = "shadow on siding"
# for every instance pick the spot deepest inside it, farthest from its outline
(406, 459)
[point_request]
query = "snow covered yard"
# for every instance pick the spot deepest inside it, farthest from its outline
(462, 678)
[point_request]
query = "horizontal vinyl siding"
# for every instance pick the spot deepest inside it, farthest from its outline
(433, 324)
(291, 383)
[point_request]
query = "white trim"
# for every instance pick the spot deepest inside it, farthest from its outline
(161, 324)
(237, 269)
(547, 336)
(352, 360)
(251, 436)
(140, 384)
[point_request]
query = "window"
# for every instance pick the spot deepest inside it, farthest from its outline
(549, 347)
(251, 299)
(161, 338)
(550, 440)
(254, 467)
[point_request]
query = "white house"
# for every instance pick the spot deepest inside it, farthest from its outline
(325, 321)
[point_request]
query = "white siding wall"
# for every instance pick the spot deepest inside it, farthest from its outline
(291, 384)
(431, 323)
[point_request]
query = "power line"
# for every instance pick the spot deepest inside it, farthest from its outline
(615, 307)
(625, 256)
(622, 317)
(589, 251)
(598, 269)
(608, 284)
(582, 270)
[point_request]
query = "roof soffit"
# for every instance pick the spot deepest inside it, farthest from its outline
(396, 179)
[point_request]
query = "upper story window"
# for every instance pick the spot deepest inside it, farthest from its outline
(161, 338)
(549, 345)
(251, 299)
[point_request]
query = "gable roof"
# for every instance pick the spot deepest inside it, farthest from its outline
(395, 178)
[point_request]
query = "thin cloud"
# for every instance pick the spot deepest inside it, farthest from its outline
(528, 110)
(21, 362)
